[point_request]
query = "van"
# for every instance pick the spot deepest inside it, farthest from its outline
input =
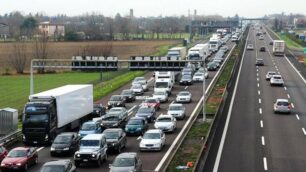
(163, 85)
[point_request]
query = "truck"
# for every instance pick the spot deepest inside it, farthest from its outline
(199, 52)
(164, 84)
(278, 47)
(214, 43)
(167, 75)
(179, 52)
(48, 113)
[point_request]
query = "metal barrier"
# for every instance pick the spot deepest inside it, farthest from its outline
(11, 138)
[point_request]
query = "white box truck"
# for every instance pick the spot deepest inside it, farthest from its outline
(51, 112)
(179, 52)
(278, 47)
(214, 43)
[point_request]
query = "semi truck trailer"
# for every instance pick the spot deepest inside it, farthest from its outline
(278, 47)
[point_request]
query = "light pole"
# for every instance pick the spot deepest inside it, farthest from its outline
(204, 112)
(31, 79)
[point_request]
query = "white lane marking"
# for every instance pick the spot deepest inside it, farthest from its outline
(292, 105)
(257, 74)
(261, 123)
(265, 164)
(150, 80)
(258, 85)
(221, 146)
(288, 96)
(39, 149)
(257, 79)
(285, 88)
(258, 92)
(130, 110)
(295, 68)
(276, 67)
(278, 73)
(260, 111)
(186, 87)
(129, 114)
(257, 70)
(263, 140)
(297, 116)
(259, 100)
(304, 131)
(274, 63)
(172, 102)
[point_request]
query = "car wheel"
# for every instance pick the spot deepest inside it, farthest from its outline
(99, 162)
(77, 163)
(105, 157)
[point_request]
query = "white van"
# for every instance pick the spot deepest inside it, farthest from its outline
(163, 85)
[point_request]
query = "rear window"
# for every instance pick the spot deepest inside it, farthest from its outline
(277, 77)
(282, 103)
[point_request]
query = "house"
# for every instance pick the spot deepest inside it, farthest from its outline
(52, 29)
(4, 31)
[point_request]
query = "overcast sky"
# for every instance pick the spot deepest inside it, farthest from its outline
(246, 8)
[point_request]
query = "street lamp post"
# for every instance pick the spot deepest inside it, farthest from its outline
(31, 79)
(204, 112)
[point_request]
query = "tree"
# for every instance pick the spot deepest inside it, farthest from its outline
(17, 58)
(71, 36)
(40, 49)
(29, 26)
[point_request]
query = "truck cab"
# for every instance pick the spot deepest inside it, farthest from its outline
(93, 148)
(163, 85)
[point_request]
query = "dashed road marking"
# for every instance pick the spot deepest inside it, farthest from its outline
(259, 100)
(285, 88)
(292, 105)
(304, 131)
(278, 73)
(258, 85)
(265, 164)
(263, 140)
(261, 124)
(257, 74)
(257, 79)
(297, 116)
(260, 111)
(288, 96)
(258, 92)
(186, 87)
(150, 80)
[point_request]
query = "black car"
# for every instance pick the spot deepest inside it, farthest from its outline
(115, 139)
(262, 49)
(212, 66)
(64, 165)
(259, 62)
(146, 112)
(116, 101)
(113, 120)
(186, 80)
(98, 110)
(136, 126)
(129, 95)
(65, 143)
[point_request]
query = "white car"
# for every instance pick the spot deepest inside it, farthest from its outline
(276, 80)
(162, 96)
(143, 84)
(261, 37)
(177, 110)
(137, 88)
(198, 77)
(153, 139)
(269, 75)
(250, 47)
(203, 70)
(184, 97)
(282, 106)
(166, 123)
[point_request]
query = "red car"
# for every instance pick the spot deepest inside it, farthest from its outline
(20, 158)
(3, 152)
(152, 102)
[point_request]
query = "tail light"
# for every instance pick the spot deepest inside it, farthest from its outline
(289, 106)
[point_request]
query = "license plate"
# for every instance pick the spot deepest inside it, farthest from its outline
(85, 160)
(35, 142)
(58, 151)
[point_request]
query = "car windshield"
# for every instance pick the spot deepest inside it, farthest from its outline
(183, 94)
(211, 64)
(175, 108)
(126, 92)
(17, 153)
(159, 93)
(151, 136)
(150, 101)
(277, 77)
(271, 73)
(282, 103)
(111, 135)
(124, 162)
(89, 143)
(36, 118)
(134, 122)
(136, 86)
(163, 119)
(161, 84)
(111, 118)
(60, 139)
(186, 77)
(115, 98)
(88, 126)
(53, 168)
(115, 110)
(198, 74)
(144, 110)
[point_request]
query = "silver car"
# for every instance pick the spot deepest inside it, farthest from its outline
(183, 97)
(282, 106)
(162, 96)
(137, 89)
(177, 110)
(269, 75)
(276, 80)
(128, 161)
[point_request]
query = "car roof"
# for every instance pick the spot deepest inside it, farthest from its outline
(57, 162)
(122, 108)
(127, 155)
(67, 133)
(137, 118)
(282, 100)
(21, 148)
(176, 104)
(154, 131)
(112, 129)
(93, 137)
(271, 72)
(165, 116)
(184, 92)
(277, 76)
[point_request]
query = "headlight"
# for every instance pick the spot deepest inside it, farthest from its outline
(2, 164)
(141, 144)
(93, 155)
(114, 144)
(78, 155)
(18, 164)
(52, 149)
(46, 137)
(157, 144)
(79, 134)
(108, 103)
(65, 149)
(23, 137)
(118, 103)
(97, 111)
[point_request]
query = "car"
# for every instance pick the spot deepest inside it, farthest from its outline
(220, 54)
(218, 60)
(224, 48)
(269, 75)
(153, 139)
(271, 43)
(198, 77)
(90, 127)
(115, 139)
(147, 112)
(137, 89)
(258, 34)
(212, 66)
(20, 158)
(276, 80)
(262, 49)
(152, 102)
(127, 161)
(3, 152)
(65, 143)
(184, 97)
(261, 37)
(114, 120)
(141, 80)
(116, 101)
(204, 71)
(64, 165)
(136, 126)
(186, 80)
(161, 95)
(250, 47)
(93, 148)
(259, 62)
(166, 123)
(98, 110)
(119, 110)
(177, 110)
(282, 106)
(129, 95)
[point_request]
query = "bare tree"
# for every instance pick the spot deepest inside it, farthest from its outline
(17, 58)
(40, 49)
(104, 49)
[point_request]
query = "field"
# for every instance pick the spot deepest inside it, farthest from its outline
(65, 50)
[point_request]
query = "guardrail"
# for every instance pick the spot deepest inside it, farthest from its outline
(164, 163)
(11, 138)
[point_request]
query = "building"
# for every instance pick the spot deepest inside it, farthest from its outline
(300, 22)
(52, 29)
(4, 31)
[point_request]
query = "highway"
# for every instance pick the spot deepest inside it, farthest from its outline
(150, 160)
(255, 139)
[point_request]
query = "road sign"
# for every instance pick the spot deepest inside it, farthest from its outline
(304, 50)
